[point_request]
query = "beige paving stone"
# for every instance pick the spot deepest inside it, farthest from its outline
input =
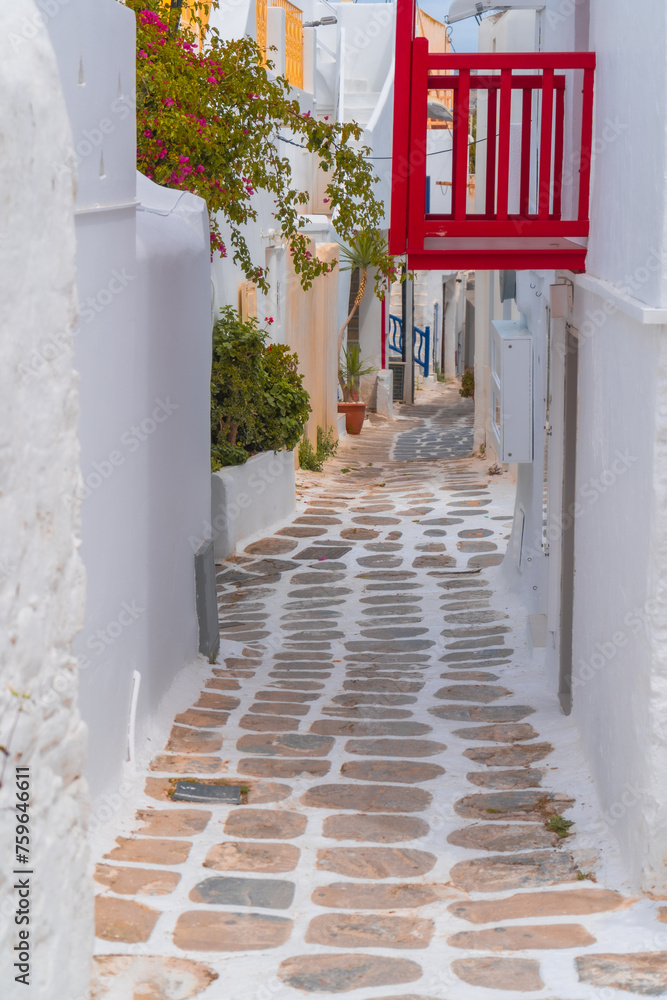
(639, 973)
(268, 767)
(514, 871)
(182, 740)
(246, 856)
(519, 938)
(265, 824)
(280, 708)
(395, 896)
(569, 902)
(361, 930)
(518, 778)
(512, 756)
(152, 852)
(519, 974)
(223, 684)
(500, 733)
(504, 837)
(123, 920)
(368, 798)
(171, 822)
(376, 862)
(406, 772)
(185, 765)
(395, 748)
(258, 792)
(198, 930)
(148, 977)
(222, 702)
(343, 973)
(268, 724)
(201, 719)
(374, 828)
(271, 546)
(136, 881)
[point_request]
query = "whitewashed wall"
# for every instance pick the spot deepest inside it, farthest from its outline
(41, 577)
(142, 347)
(620, 622)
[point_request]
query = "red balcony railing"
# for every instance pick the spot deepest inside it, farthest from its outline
(532, 131)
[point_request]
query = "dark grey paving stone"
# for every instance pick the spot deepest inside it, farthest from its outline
(483, 643)
(337, 727)
(472, 654)
(374, 699)
(316, 577)
(286, 654)
(475, 617)
(286, 745)
(321, 552)
(366, 712)
(473, 545)
(388, 646)
(440, 522)
(478, 713)
(321, 592)
(263, 893)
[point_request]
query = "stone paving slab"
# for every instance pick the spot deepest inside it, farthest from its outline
(398, 755)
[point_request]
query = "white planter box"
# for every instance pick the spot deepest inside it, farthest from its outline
(249, 498)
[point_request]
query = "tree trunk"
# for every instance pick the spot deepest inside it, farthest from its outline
(360, 294)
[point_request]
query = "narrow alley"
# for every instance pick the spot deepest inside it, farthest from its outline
(410, 815)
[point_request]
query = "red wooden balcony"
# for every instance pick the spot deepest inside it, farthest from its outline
(534, 130)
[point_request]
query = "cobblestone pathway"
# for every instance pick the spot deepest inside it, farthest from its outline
(446, 430)
(402, 776)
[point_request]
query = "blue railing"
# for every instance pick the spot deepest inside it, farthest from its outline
(422, 351)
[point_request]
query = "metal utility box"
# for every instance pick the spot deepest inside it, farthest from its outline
(512, 391)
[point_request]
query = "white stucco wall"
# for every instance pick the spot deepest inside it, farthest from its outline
(142, 347)
(41, 577)
(619, 661)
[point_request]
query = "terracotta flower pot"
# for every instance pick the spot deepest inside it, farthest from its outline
(354, 416)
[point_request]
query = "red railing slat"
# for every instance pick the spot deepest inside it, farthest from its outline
(460, 159)
(511, 60)
(505, 131)
(398, 232)
(546, 137)
(418, 146)
(526, 150)
(586, 144)
(558, 155)
(519, 230)
(491, 152)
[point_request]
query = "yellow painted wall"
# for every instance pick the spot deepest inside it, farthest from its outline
(311, 330)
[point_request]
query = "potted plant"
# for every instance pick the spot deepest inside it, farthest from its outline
(352, 369)
(365, 251)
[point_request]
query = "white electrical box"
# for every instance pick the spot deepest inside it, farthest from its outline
(512, 391)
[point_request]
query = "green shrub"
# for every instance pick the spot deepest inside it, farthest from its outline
(327, 446)
(467, 389)
(258, 402)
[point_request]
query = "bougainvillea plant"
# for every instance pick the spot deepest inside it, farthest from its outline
(216, 121)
